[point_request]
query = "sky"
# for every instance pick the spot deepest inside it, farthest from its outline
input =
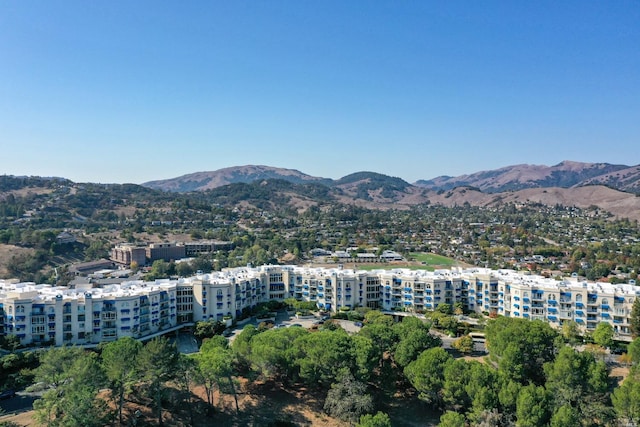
(128, 92)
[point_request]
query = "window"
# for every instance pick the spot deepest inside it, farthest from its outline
(525, 294)
(579, 298)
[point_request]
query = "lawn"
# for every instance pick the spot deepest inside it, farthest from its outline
(417, 261)
(432, 260)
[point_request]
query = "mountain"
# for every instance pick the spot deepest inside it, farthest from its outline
(623, 179)
(371, 186)
(618, 203)
(564, 175)
(269, 188)
(200, 181)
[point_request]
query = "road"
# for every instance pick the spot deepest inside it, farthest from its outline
(21, 402)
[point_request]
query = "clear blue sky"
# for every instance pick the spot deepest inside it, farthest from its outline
(132, 91)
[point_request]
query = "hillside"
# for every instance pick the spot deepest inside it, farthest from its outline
(564, 175)
(270, 188)
(623, 179)
(618, 203)
(201, 181)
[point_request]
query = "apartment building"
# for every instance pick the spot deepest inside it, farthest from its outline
(87, 315)
(126, 254)
(165, 251)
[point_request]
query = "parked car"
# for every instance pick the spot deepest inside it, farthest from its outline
(617, 350)
(7, 394)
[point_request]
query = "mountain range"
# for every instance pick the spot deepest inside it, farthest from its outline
(567, 174)
(614, 188)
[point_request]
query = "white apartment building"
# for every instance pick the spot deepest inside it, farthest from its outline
(40, 314)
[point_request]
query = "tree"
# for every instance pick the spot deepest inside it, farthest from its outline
(188, 368)
(241, 345)
(74, 401)
(380, 419)
(158, 363)
(55, 365)
(322, 356)
(272, 351)
(603, 335)
(532, 408)
(464, 344)
(382, 334)
(452, 419)
(576, 379)
(626, 399)
(412, 344)
(634, 351)
(566, 416)
(571, 332)
(634, 318)
(208, 328)
(119, 360)
(365, 356)
(521, 347)
(426, 373)
(214, 365)
(348, 399)
(454, 392)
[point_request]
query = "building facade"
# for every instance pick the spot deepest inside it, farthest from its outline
(88, 315)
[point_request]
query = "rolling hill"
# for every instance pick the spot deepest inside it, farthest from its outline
(566, 174)
(200, 181)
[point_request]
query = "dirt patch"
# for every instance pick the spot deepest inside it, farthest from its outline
(6, 253)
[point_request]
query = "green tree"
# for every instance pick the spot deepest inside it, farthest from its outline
(73, 401)
(214, 365)
(426, 373)
(322, 356)
(464, 344)
(634, 318)
(272, 354)
(603, 335)
(55, 365)
(380, 419)
(241, 345)
(626, 399)
(382, 335)
(633, 350)
(208, 328)
(412, 344)
(568, 376)
(365, 356)
(571, 332)
(454, 387)
(566, 416)
(532, 408)
(188, 368)
(119, 360)
(158, 363)
(521, 347)
(452, 419)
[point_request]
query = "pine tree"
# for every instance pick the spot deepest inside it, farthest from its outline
(635, 318)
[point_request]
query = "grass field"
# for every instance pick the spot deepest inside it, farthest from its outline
(417, 261)
(433, 260)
